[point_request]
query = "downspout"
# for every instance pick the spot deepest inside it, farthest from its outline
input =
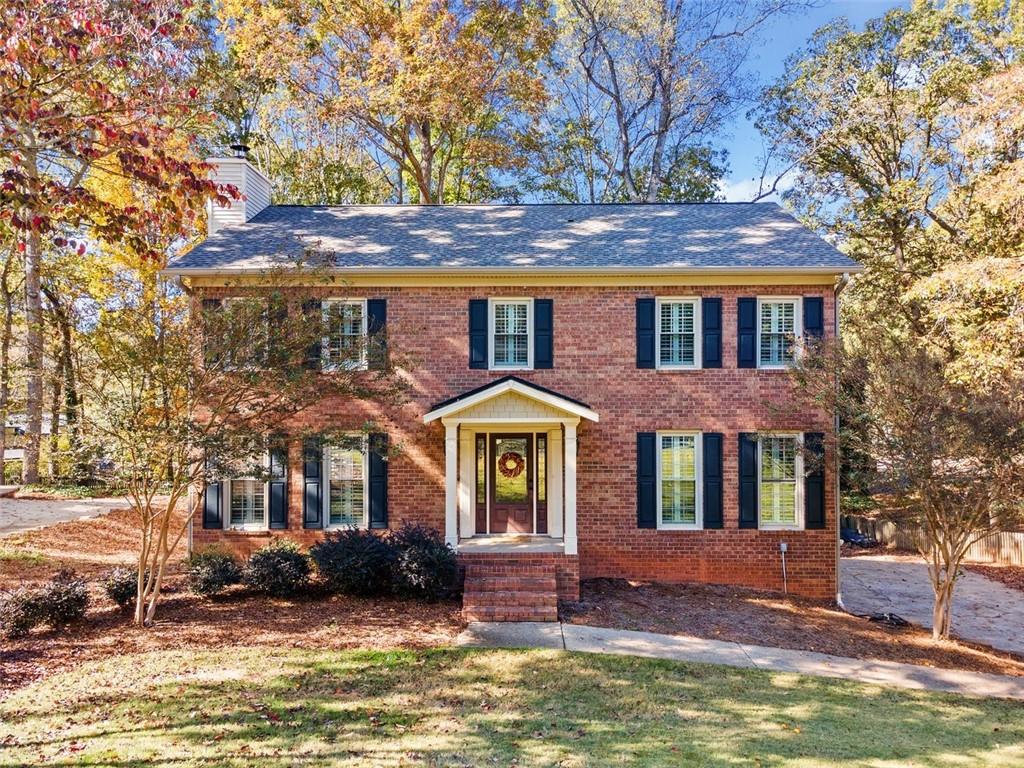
(841, 283)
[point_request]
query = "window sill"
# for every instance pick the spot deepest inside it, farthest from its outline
(768, 527)
(678, 368)
(776, 368)
(510, 368)
(246, 530)
(680, 527)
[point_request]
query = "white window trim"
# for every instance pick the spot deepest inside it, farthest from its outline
(798, 328)
(326, 500)
(698, 447)
(226, 501)
(528, 302)
(698, 361)
(798, 495)
(325, 340)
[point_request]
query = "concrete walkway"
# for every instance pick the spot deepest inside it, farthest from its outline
(984, 611)
(575, 637)
(23, 514)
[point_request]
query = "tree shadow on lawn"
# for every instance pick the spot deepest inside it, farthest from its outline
(277, 708)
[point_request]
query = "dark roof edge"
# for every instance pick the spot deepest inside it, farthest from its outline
(502, 380)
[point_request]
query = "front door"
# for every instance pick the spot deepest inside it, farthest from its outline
(511, 482)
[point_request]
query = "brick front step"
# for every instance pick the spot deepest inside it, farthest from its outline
(510, 591)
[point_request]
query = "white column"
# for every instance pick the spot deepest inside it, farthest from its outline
(555, 517)
(451, 484)
(570, 488)
(467, 482)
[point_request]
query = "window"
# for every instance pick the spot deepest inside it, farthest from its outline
(248, 503)
(678, 332)
(346, 477)
(240, 348)
(511, 325)
(344, 341)
(778, 327)
(678, 474)
(780, 465)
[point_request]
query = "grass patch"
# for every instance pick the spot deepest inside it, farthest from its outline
(243, 707)
(10, 554)
(70, 491)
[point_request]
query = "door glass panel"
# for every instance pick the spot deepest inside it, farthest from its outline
(542, 472)
(510, 471)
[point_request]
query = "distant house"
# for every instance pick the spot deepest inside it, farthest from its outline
(14, 432)
(595, 394)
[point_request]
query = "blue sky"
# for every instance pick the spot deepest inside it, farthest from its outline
(785, 36)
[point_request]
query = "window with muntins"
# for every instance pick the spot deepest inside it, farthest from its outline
(778, 328)
(678, 468)
(344, 341)
(510, 323)
(779, 467)
(346, 477)
(248, 503)
(677, 333)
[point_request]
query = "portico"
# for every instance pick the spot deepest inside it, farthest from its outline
(510, 467)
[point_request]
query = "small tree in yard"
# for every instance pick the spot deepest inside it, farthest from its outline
(180, 398)
(951, 454)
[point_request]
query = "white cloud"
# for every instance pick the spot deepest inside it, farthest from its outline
(745, 190)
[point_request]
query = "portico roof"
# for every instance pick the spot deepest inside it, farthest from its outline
(503, 387)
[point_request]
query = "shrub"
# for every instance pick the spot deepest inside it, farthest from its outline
(19, 612)
(355, 562)
(60, 601)
(278, 569)
(63, 599)
(121, 586)
(426, 566)
(212, 570)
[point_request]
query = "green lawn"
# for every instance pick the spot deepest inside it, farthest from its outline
(481, 708)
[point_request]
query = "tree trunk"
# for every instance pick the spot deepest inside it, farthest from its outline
(53, 444)
(33, 355)
(5, 358)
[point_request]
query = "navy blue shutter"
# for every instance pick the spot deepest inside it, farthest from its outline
(313, 310)
(378, 480)
(748, 480)
(711, 331)
(376, 327)
(746, 333)
(211, 506)
(312, 483)
(712, 479)
(814, 481)
(814, 316)
(646, 480)
(645, 333)
(543, 333)
(478, 333)
(278, 486)
(211, 356)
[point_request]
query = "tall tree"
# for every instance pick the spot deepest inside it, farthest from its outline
(82, 83)
(424, 84)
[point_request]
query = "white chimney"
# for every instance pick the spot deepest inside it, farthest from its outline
(250, 182)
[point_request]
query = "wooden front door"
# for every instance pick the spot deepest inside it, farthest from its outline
(510, 466)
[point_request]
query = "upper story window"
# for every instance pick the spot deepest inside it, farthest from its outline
(511, 331)
(778, 328)
(678, 472)
(346, 498)
(678, 324)
(345, 333)
(780, 468)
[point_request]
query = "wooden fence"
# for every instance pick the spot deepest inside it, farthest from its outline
(1000, 548)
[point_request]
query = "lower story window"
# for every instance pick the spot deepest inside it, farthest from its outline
(248, 503)
(346, 475)
(678, 472)
(779, 467)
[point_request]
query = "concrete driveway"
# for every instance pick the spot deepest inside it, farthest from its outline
(22, 514)
(984, 611)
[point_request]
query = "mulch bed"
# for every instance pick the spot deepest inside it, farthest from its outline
(763, 618)
(1009, 575)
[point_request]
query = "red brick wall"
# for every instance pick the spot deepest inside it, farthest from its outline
(595, 361)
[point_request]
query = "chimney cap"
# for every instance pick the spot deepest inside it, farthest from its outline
(241, 151)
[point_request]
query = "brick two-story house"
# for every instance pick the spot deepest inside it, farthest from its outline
(600, 390)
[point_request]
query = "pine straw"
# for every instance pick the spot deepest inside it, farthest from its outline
(1011, 576)
(764, 618)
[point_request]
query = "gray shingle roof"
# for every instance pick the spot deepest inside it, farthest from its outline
(467, 237)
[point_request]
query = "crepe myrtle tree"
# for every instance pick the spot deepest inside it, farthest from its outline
(951, 455)
(191, 391)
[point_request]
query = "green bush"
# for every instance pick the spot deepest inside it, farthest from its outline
(212, 570)
(121, 586)
(355, 562)
(60, 601)
(426, 566)
(278, 569)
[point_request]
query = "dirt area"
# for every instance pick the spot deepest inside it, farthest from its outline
(1009, 575)
(185, 621)
(738, 615)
